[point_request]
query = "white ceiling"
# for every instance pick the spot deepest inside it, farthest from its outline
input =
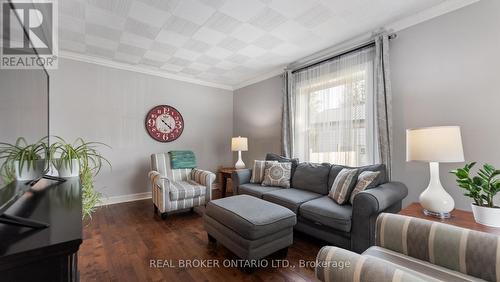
(219, 41)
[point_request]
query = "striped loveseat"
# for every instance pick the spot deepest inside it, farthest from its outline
(412, 249)
(178, 189)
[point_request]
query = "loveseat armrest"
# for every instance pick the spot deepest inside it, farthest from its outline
(367, 206)
(240, 176)
(340, 265)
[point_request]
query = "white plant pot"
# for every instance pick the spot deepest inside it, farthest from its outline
(486, 216)
(34, 171)
(68, 170)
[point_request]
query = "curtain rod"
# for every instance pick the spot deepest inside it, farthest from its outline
(351, 50)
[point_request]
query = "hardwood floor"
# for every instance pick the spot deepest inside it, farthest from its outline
(121, 240)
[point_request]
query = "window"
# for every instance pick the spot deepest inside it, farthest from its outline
(333, 112)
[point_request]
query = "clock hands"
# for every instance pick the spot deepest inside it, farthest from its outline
(166, 124)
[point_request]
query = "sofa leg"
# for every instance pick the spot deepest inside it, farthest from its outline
(211, 239)
(155, 209)
(164, 215)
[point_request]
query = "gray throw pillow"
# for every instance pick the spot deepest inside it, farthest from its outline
(341, 187)
(258, 171)
(277, 174)
(365, 180)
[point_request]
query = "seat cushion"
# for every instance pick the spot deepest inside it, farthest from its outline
(255, 190)
(250, 217)
(312, 177)
(422, 269)
(290, 198)
(180, 190)
(325, 211)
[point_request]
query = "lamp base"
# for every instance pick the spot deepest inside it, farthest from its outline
(239, 164)
(441, 215)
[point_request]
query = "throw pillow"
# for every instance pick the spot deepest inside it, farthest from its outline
(258, 171)
(365, 180)
(341, 187)
(277, 174)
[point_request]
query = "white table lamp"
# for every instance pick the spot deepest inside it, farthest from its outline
(434, 145)
(239, 144)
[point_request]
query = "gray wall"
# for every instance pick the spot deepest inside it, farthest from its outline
(109, 105)
(444, 72)
(257, 116)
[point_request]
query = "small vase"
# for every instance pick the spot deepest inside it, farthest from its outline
(29, 172)
(486, 215)
(68, 170)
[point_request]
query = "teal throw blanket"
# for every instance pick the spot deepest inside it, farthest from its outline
(182, 159)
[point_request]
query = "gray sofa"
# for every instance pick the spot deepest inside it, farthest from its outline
(347, 226)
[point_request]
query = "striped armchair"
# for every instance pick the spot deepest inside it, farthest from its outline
(178, 189)
(412, 249)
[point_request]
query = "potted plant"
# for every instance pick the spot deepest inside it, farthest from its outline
(80, 159)
(22, 161)
(482, 188)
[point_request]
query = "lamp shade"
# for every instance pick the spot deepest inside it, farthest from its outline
(239, 144)
(434, 144)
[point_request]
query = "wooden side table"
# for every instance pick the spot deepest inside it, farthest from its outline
(224, 175)
(459, 218)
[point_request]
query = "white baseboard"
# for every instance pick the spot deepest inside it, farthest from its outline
(124, 198)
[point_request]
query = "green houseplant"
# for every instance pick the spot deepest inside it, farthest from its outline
(23, 161)
(482, 189)
(83, 159)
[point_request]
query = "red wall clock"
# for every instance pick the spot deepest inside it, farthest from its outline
(164, 123)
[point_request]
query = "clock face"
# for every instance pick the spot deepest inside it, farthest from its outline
(164, 123)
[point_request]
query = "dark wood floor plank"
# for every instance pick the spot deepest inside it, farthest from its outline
(121, 240)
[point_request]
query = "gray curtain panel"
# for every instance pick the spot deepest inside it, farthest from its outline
(383, 100)
(287, 116)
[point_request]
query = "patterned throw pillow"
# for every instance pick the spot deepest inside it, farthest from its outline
(258, 171)
(277, 174)
(365, 179)
(342, 185)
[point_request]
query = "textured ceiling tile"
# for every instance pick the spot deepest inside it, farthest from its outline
(194, 11)
(140, 28)
(131, 50)
(153, 63)
(186, 54)
(72, 46)
(166, 5)
(267, 42)
(214, 3)
(178, 62)
(287, 49)
(157, 56)
(172, 38)
(226, 65)
(172, 68)
(127, 58)
(181, 26)
(247, 33)
(216, 70)
(268, 19)
(148, 14)
(289, 31)
(232, 44)
(242, 10)
(163, 48)
(222, 22)
(205, 59)
(101, 42)
(71, 23)
(98, 51)
(196, 45)
(209, 36)
(218, 53)
(314, 16)
(102, 31)
(102, 17)
(292, 8)
(252, 51)
(238, 58)
(199, 66)
(119, 7)
(71, 35)
(135, 40)
(72, 8)
(191, 71)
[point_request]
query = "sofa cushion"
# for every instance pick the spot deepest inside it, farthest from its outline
(381, 179)
(312, 177)
(291, 198)
(250, 217)
(180, 190)
(326, 212)
(281, 159)
(255, 190)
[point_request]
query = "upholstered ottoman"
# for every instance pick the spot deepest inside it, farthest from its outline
(249, 227)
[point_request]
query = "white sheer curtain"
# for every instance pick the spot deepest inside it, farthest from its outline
(333, 111)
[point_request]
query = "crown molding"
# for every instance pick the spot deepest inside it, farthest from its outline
(122, 66)
(261, 77)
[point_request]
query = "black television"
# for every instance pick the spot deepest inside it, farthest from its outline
(24, 120)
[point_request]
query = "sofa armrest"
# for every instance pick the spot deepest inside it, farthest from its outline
(367, 206)
(205, 178)
(340, 265)
(240, 176)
